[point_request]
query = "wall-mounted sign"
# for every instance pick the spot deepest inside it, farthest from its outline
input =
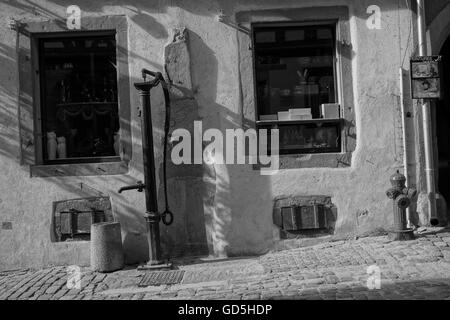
(426, 74)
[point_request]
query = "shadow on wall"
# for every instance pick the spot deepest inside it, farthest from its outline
(9, 137)
(131, 218)
(202, 203)
(143, 9)
(221, 207)
(230, 228)
(188, 184)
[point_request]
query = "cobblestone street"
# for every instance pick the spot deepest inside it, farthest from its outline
(418, 269)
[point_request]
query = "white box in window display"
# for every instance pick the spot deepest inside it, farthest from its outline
(284, 115)
(300, 114)
(300, 111)
(302, 117)
(330, 111)
(268, 117)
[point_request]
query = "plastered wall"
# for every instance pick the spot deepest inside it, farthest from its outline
(219, 209)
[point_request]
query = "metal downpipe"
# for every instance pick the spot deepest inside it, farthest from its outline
(426, 123)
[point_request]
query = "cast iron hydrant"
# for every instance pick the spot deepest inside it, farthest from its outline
(402, 197)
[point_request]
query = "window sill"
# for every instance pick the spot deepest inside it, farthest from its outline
(79, 169)
(292, 122)
(313, 160)
(298, 149)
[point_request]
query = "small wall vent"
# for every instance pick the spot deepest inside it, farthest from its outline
(295, 218)
(76, 224)
(301, 216)
(72, 219)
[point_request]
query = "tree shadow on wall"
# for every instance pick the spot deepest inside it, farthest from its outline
(228, 209)
(9, 137)
(217, 215)
(23, 192)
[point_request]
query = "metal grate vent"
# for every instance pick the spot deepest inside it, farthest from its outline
(295, 218)
(72, 219)
(77, 224)
(158, 278)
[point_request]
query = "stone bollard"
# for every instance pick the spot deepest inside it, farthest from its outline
(106, 247)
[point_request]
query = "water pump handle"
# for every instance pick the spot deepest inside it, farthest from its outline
(139, 186)
(157, 75)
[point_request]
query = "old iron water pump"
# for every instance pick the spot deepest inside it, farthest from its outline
(402, 197)
(152, 216)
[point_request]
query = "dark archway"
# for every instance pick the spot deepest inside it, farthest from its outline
(443, 126)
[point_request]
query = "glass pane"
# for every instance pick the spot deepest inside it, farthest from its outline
(265, 37)
(78, 82)
(308, 137)
(294, 72)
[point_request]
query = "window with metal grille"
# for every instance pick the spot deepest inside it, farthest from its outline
(78, 97)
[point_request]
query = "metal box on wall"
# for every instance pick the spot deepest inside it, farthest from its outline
(289, 219)
(303, 217)
(426, 77)
(76, 224)
(72, 219)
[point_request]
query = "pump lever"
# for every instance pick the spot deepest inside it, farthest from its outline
(139, 186)
(156, 75)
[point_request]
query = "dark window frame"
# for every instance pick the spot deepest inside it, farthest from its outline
(345, 75)
(40, 78)
(30, 131)
(338, 123)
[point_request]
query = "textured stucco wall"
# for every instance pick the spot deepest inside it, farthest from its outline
(236, 200)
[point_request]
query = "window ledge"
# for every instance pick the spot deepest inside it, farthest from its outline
(288, 122)
(313, 160)
(79, 169)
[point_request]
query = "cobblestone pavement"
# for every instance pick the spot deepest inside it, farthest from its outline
(418, 269)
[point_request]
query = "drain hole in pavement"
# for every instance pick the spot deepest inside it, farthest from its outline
(157, 278)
